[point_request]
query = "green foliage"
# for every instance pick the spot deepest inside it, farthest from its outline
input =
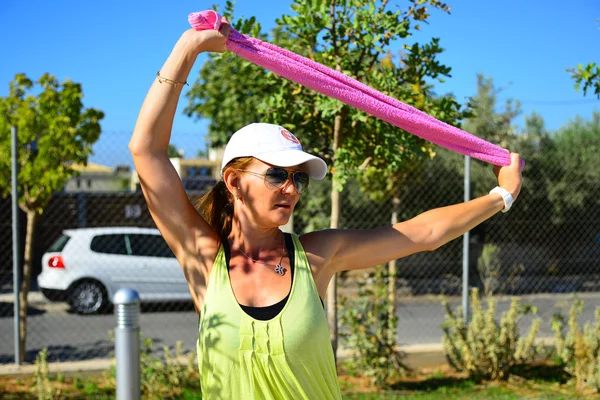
(576, 180)
(578, 352)
(588, 76)
(562, 177)
(172, 376)
(167, 378)
(314, 208)
(173, 152)
(491, 124)
(441, 174)
(487, 122)
(352, 38)
(488, 265)
(48, 387)
(537, 147)
(495, 279)
(484, 348)
(90, 388)
(370, 331)
(54, 131)
(229, 89)
(43, 389)
(78, 382)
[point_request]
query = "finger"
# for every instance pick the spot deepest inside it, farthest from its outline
(515, 159)
(225, 27)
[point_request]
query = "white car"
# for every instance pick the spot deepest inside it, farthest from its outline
(87, 266)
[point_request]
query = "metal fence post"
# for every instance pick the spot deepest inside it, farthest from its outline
(16, 247)
(465, 278)
(127, 343)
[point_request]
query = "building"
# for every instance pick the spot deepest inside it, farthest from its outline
(197, 174)
(99, 178)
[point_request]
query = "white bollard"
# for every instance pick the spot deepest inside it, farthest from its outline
(127, 344)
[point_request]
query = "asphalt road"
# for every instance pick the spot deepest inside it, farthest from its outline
(71, 337)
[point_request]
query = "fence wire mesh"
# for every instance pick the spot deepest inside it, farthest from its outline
(97, 235)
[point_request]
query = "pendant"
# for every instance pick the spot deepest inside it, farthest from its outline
(279, 269)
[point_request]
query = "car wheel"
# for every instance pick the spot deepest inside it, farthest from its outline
(88, 297)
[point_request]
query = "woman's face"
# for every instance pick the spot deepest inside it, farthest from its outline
(265, 204)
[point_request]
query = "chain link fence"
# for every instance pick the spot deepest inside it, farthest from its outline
(545, 249)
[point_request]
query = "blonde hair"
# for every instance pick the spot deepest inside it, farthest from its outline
(216, 206)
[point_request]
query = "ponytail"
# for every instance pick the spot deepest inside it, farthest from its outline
(216, 207)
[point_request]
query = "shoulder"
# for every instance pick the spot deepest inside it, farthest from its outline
(320, 247)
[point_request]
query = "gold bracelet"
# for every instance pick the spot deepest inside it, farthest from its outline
(170, 81)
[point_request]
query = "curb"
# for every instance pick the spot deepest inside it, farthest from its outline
(34, 298)
(412, 352)
(416, 356)
(67, 368)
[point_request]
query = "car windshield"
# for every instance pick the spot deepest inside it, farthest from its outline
(59, 244)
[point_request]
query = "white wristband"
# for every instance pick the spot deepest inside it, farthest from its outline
(506, 196)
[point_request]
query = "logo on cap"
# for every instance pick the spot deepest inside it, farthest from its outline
(289, 136)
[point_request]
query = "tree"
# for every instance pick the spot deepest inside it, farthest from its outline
(353, 37)
(441, 175)
(492, 124)
(589, 76)
(575, 187)
(536, 147)
(487, 121)
(55, 131)
(384, 177)
(229, 88)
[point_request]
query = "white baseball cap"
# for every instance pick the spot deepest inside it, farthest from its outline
(274, 145)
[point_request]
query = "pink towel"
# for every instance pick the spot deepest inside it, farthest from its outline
(343, 88)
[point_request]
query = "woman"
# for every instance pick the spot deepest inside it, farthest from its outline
(263, 332)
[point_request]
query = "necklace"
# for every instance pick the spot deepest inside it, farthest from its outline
(278, 267)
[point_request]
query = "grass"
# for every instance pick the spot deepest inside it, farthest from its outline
(473, 392)
(536, 381)
(539, 381)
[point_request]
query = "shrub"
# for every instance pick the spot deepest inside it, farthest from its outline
(166, 378)
(578, 352)
(484, 348)
(489, 266)
(371, 332)
(42, 381)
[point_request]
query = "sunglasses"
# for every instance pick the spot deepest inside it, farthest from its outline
(276, 177)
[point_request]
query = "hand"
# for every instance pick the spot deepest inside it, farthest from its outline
(209, 40)
(509, 177)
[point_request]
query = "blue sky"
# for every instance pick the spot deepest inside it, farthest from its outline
(114, 48)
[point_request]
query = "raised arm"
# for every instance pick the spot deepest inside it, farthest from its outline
(186, 233)
(332, 251)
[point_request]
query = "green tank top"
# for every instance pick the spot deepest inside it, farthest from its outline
(287, 357)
